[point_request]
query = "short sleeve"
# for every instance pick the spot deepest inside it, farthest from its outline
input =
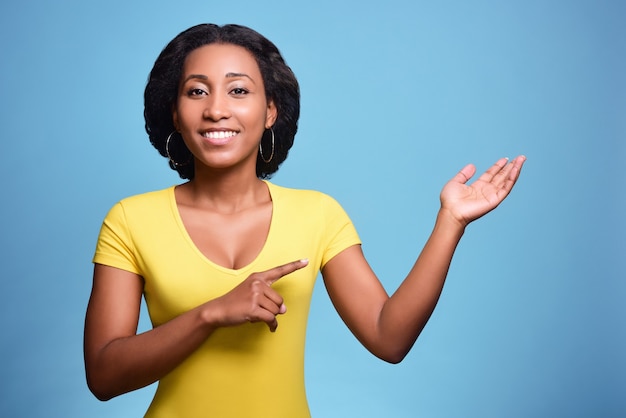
(339, 233)
(114, 247)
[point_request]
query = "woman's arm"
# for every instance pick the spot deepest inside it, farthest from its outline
(389, 326)
(118, 360)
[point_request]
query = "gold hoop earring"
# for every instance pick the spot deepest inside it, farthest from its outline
(167, 151)
(266, 161)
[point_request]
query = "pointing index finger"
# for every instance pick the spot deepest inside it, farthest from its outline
(276, 273)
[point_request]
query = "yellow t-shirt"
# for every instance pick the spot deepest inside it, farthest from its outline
(243, 371)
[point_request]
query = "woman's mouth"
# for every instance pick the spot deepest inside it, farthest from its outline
(219, 137)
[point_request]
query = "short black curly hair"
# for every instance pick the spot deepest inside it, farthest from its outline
(161, 93)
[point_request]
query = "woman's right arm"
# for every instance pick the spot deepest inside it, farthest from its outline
(118, 360)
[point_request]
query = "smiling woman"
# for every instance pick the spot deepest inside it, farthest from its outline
(225, 257)
(279, 86)
(222, 111)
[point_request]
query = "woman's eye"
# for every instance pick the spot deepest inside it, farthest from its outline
(238, 91)
(195, 92)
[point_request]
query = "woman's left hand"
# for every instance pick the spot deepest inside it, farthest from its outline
(467, 203)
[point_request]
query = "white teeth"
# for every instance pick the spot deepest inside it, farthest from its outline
(219, 134)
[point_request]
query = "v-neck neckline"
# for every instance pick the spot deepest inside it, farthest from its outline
(179, 220)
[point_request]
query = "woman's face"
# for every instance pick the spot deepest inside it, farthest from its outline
(222, 110)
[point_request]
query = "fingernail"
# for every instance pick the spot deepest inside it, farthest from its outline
(304, 261)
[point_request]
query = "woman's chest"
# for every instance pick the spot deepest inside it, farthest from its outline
(233, 240)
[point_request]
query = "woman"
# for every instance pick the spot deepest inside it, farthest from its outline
(227, 255)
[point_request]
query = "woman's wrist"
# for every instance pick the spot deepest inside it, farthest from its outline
(209, 316)
(446, 221)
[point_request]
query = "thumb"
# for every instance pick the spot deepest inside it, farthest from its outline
(465, 174)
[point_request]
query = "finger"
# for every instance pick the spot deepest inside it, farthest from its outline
(494, 170)
(510, 171)
(514, 172)
(465, 174)
(518, 162)
(268, 313)
(272, 275)
(500, 179)
(262, 315)
(270, 319)
(272, 302)
(273, 325)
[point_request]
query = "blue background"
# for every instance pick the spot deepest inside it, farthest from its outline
(396, 97)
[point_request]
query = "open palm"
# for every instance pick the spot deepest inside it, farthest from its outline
(468, 202)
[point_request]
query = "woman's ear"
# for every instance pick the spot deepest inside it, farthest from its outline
(272, 114)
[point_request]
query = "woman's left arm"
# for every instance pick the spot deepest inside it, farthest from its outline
(389, 326)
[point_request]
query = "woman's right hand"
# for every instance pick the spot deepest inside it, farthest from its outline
(253, 300)
(118, 360)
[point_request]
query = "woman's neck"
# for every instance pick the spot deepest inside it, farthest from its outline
(224, 191)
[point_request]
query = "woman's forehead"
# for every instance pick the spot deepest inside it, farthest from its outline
(219, 58)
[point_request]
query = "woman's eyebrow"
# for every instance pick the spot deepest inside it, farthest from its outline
(236, 75)
(198, 76)
(228, 75)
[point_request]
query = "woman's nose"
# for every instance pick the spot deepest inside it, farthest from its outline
(216, 107)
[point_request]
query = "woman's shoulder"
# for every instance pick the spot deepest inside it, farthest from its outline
(308, 195)
(143, 203)
(148, 198)
(304, 200)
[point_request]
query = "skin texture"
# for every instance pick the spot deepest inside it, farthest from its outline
(227, 211)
